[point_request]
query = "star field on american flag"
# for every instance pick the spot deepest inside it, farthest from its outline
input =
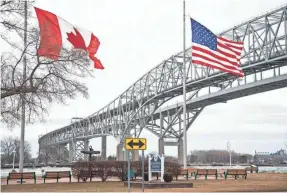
(215, 52)
(202, 35)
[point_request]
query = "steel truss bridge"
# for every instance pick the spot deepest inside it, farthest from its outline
(144, 104)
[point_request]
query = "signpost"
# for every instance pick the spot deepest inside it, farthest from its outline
(156, 164)
(135, 144)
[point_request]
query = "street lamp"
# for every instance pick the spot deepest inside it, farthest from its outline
(229, 149)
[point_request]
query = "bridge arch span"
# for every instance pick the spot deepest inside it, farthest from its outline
(265, 40)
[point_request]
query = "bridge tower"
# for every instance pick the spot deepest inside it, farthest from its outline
(62, 152)
(104, 148)
(76, 146)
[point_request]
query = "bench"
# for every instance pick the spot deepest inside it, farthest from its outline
(236, 173)
(252, 169)
(57, 175)
(21, 176)
(87, 174)
(206, 172)
(186, 172)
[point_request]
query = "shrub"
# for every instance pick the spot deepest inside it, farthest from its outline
(173, 168)
(81, 166)
(118, 168)
(103, 168)
(167, 177)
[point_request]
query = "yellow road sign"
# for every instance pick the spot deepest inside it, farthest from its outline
(135, 143)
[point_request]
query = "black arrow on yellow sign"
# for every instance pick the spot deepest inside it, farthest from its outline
(132, 144)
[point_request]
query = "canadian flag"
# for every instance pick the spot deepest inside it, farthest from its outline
(54, 31)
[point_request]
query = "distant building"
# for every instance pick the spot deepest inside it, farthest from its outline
(277, 157)
(280, 152)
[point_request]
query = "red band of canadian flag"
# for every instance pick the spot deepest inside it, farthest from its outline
(54, 31)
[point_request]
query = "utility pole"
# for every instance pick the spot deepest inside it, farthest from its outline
(23, 118)
(184, 95)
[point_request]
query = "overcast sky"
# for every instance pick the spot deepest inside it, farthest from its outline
(135, 36)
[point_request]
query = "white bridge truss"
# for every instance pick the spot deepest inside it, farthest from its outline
(143, 104)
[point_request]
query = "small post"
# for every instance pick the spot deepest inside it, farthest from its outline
(142, 170)
(162, 168)
(149, 168)
(129, 169)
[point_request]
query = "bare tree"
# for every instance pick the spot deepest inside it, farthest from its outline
(47, 154)
(7, 148)
(47, 81)
(9, 144)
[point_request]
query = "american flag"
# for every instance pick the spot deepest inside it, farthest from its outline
(215, 52)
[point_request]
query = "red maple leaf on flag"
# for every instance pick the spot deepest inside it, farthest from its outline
(77, 40)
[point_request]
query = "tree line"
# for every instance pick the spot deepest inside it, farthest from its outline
(11, 145)
(217, 156)
(50, 155)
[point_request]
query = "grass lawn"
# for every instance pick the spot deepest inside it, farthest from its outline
(255, 182)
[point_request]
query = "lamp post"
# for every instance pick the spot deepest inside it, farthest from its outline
(229, 149)
(14, 152)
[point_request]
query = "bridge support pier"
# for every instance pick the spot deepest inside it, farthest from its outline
(161, 146)
(86, 148)
(120, 152)
(104, 148)
(61, 152)
(180, 151)
(135, 155)
(71, 152)
(61, 149)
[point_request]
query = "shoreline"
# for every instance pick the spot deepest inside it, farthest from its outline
(189, 165)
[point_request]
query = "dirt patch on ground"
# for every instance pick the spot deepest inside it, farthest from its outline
(264, 182)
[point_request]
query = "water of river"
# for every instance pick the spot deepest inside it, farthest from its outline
(5, 172)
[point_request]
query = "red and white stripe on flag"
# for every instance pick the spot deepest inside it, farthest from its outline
(226, 58)
(56, 32)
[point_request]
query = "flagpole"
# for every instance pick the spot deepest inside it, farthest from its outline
(22, 139)
(184, 95)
